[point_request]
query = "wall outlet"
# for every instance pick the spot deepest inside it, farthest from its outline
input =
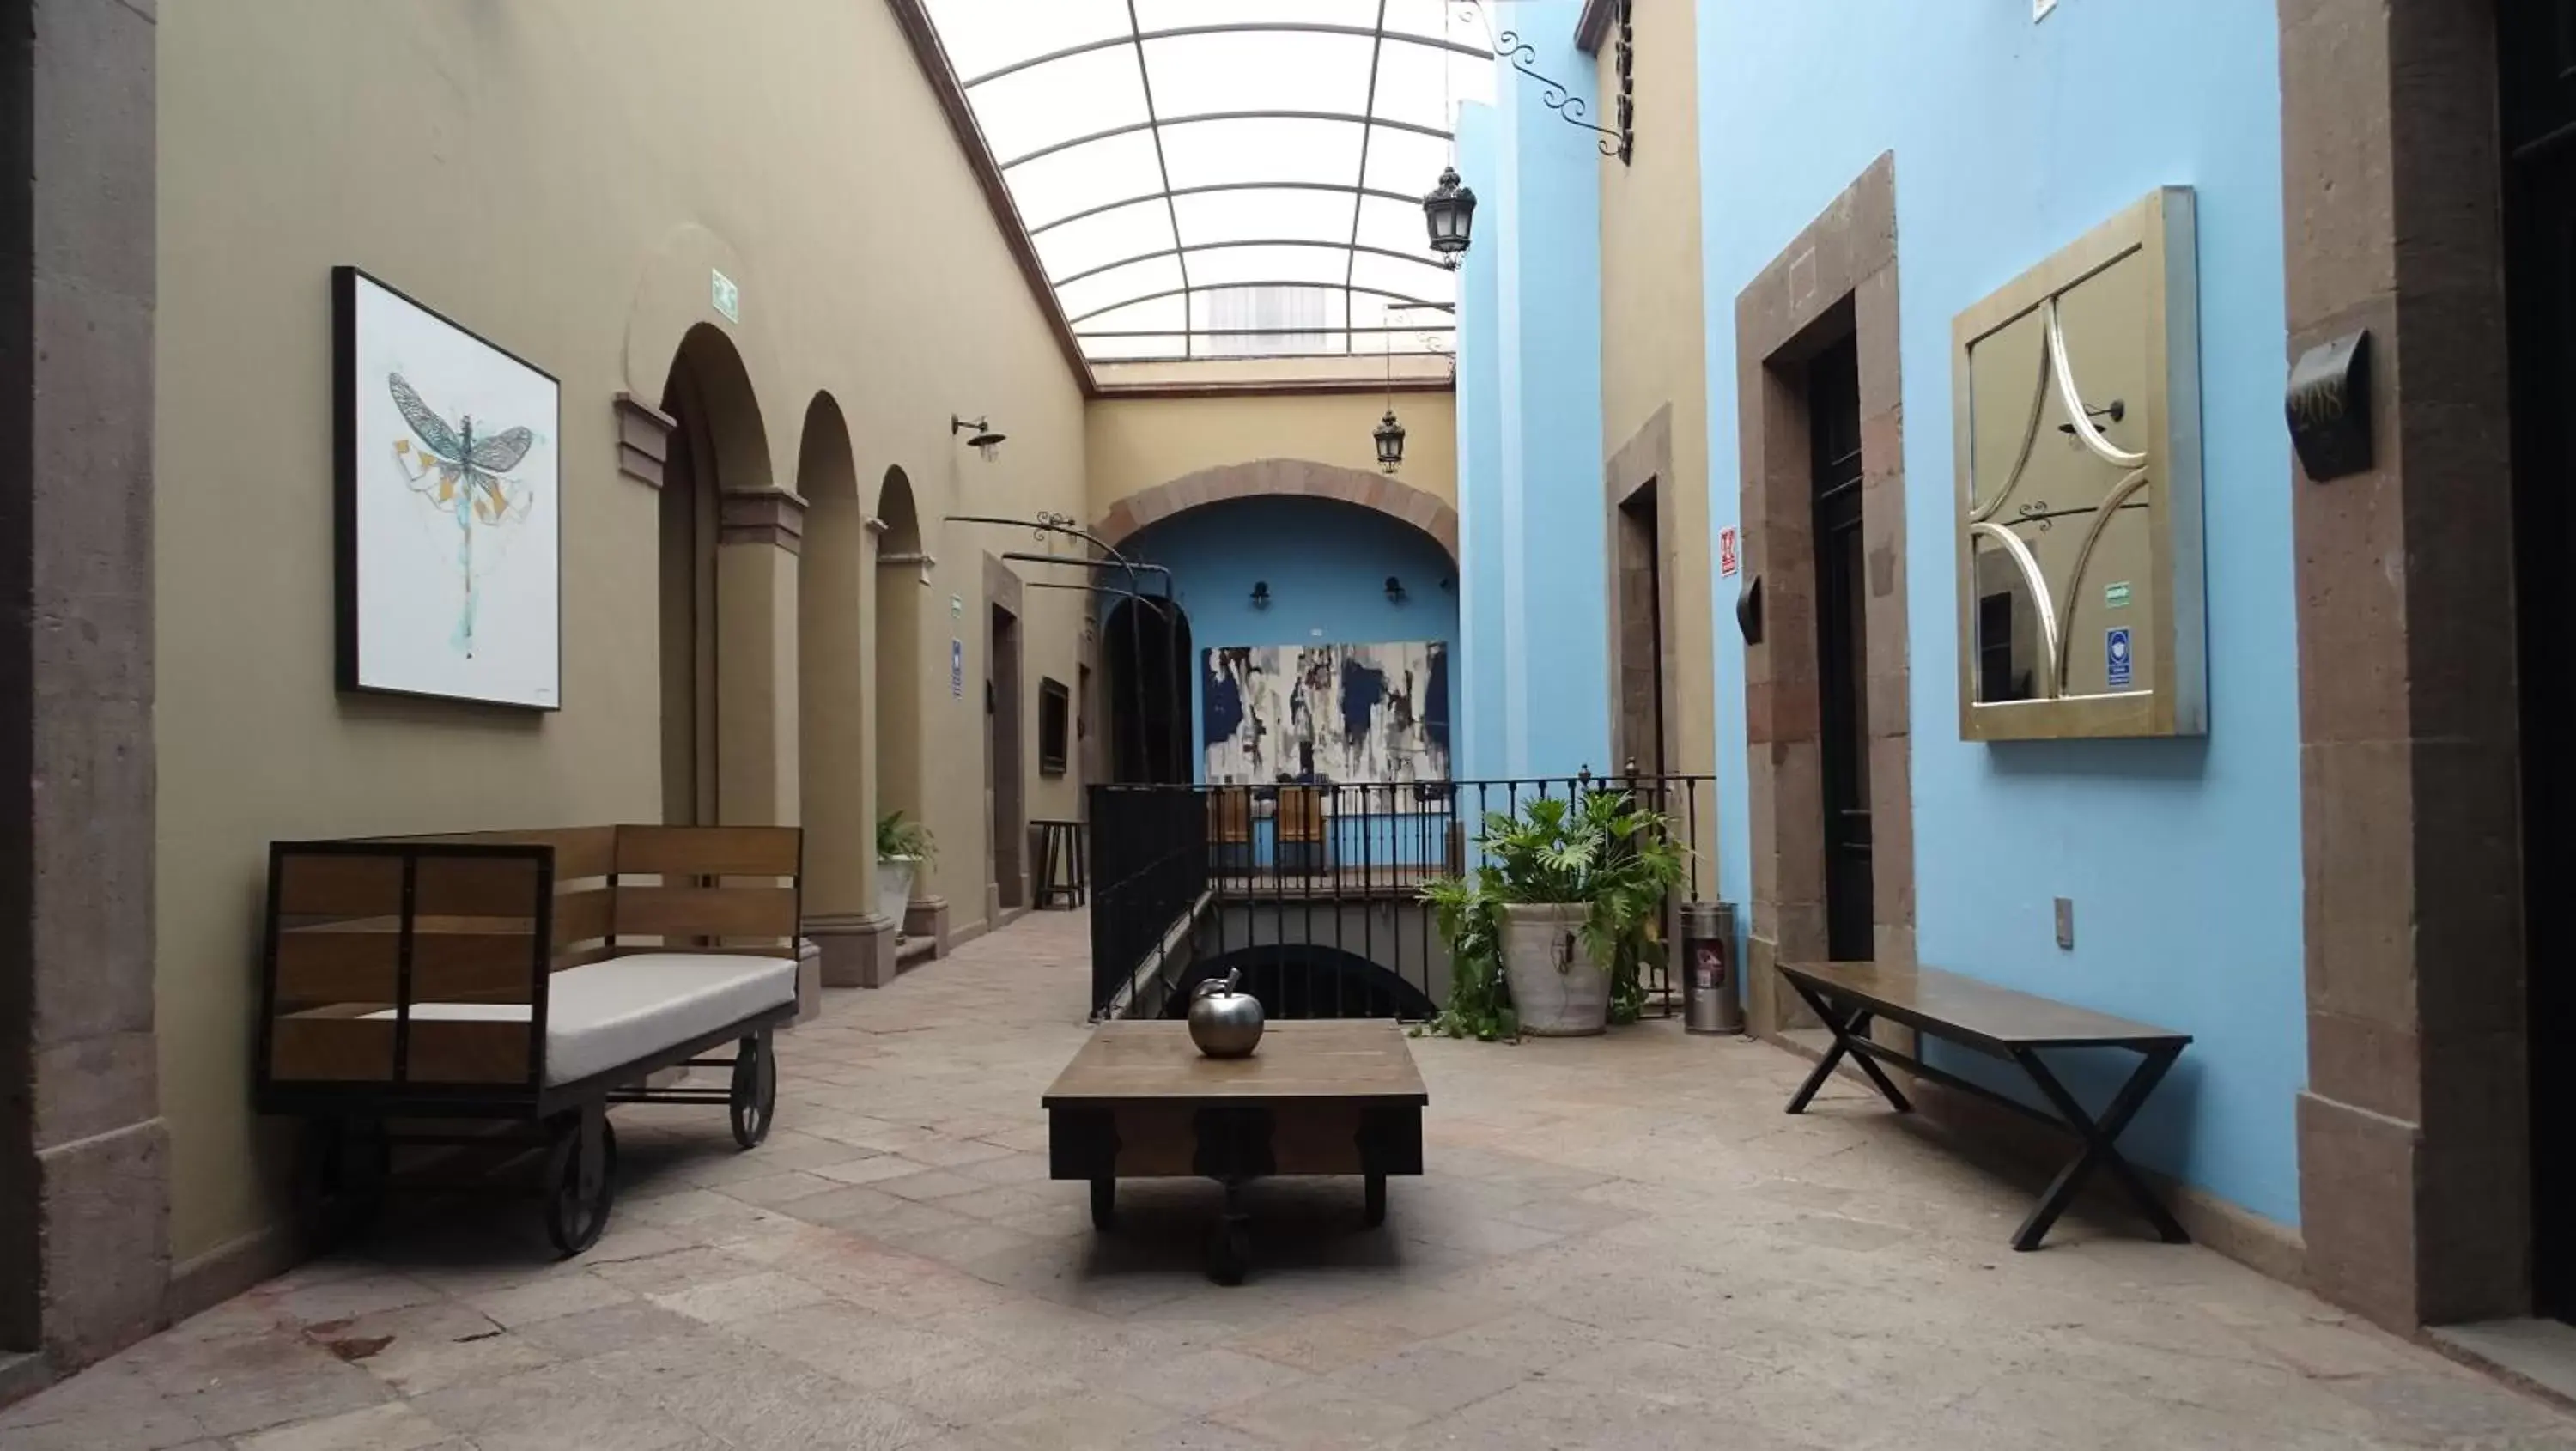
(2039, 10)
(2066, 923)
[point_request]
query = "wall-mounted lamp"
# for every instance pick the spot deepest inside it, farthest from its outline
(1449, 212)
(1261, 594)
(983, 440)
(1390, 443)
(1394, 590)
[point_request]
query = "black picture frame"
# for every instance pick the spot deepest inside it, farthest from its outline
(1055, 726)
(348, 635)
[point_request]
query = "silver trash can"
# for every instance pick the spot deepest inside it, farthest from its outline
(1709, 1000)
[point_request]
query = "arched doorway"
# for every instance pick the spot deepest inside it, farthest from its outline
(1145, 644)
(903, 577)
(716, 445)
(831, 669)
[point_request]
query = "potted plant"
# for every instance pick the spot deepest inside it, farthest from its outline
(1550, 934)
(905, 849)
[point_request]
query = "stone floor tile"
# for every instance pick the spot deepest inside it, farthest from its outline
(778, 1190)
(425, 1347)
(550, 1298)
(560, 1408)
(1199, 1436)
(870, 1169)
(975, 1389)
(1206, 1380)
(1432, 1379)
(930, 1185)
(149, 1425)
(1085, 1418)
(233, 1408)
(1320, 1414)
(741, 1297)
(396, 1426)
(792, 1409)
(610, 1328)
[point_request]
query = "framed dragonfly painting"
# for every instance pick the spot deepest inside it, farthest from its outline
(450, 506)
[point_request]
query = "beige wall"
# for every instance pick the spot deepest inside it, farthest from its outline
(558, 175)
(1136, 443)
(1654, 332)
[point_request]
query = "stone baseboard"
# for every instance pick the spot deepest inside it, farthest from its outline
(856, 949)
(22, 1376)
(202, 1282)
(809, 981)
(927, 917)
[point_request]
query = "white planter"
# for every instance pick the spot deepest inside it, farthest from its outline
(894, 886)
(1558, 990)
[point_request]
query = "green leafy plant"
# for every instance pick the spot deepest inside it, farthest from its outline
(1605, 852)
(900, 837)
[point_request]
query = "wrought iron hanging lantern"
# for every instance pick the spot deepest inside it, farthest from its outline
(1390, 443)
(1450, 213)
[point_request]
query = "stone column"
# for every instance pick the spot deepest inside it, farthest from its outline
(759, 536)
(84, 1173)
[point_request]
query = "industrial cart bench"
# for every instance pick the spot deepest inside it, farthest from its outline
(1328, 1096)
(1999, 1022)
(533, 977)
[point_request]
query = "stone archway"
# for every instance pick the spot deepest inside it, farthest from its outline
(1289, 478)
(729, 541)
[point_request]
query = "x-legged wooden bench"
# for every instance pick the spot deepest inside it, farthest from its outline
(2000, 1023)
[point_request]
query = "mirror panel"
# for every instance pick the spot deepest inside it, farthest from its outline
(2079, 490)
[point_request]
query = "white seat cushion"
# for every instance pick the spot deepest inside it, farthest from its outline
(603, 1014)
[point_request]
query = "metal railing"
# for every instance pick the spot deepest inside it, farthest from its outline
(1314, 890)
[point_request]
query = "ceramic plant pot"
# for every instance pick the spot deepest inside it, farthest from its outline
(1557, 989)
(894, 886)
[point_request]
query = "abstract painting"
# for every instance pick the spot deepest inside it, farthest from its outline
(1339, 714)
(450, 506)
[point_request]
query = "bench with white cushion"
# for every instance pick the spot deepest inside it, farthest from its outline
(538, 976)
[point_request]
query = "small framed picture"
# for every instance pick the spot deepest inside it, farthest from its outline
(450, 507)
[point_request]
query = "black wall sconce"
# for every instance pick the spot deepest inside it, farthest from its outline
(1395, 594)
(2329, 407)
(983, 439)
(1261, 594)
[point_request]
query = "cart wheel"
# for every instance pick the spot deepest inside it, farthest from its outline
(1104, 1202)
(577, 1214)
(755, 1090)
(1375, 1213)
(1229, 1252)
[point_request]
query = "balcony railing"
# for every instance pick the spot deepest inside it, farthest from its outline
(1307, 887)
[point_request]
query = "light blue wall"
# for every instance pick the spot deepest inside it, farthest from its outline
(2010, 140)
(1539, 221)
(1480, 677)
(1326, 563)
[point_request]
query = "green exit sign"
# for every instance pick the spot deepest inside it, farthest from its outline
(728, 297)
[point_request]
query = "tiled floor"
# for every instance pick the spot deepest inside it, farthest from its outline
(1621, 1243)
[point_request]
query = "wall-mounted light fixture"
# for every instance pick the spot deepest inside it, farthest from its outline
(1394, 590)
(1520, 55)
(1449, 212)
(1261, 594)
(983, 439)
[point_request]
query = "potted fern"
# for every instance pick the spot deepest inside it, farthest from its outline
(1550, 935)
(905, 849)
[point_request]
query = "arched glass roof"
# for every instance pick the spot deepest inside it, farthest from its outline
(1227, 178)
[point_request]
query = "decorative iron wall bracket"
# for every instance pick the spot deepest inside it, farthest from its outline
(1560, 98)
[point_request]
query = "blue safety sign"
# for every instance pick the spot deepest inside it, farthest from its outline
(2115, 653)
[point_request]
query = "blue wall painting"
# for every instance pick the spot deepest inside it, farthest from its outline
(1326, 714)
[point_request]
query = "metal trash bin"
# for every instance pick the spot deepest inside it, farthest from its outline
(1709, 1000)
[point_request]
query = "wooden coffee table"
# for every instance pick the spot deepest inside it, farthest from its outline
(1337, 1096)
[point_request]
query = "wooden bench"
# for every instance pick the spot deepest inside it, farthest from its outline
(535, 976)
(2014, 1026)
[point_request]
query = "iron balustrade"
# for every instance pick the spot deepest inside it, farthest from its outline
(1314, 890)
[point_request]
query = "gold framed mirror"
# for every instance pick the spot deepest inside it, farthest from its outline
(2076, 389)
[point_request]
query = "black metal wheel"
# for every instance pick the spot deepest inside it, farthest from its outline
(1104, 1202)
(341, 1169)
(576, 1204)
(1229, 1251)
(1375, 1212)
(755, 1090)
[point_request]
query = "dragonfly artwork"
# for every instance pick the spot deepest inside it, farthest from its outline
(464, 476)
